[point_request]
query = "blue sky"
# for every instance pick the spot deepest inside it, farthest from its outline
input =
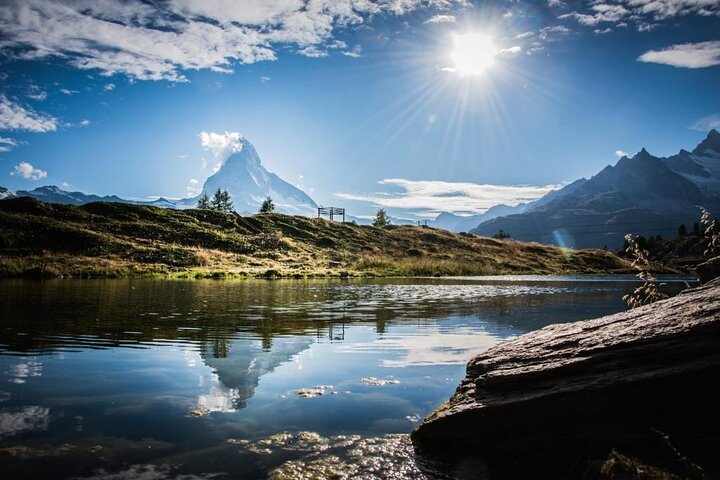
(361, 103)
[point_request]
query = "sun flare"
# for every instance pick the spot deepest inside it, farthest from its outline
(473, 53)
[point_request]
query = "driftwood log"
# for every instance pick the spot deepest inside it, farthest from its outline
(633, 382)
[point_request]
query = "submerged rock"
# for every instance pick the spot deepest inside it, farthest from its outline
(570, 393)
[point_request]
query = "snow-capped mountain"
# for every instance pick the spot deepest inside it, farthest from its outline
(702, 165)
(644, 195)
(6, 193)
(249, 183)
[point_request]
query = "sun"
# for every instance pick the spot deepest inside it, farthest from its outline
(473, 53)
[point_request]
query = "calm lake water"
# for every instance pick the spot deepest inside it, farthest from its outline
(157, 379)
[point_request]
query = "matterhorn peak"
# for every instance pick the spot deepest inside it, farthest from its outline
(249, 183)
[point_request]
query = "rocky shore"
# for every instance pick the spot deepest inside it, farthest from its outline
(631, 395)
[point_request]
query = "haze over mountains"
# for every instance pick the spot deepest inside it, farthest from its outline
(644, 195)
(241, 174)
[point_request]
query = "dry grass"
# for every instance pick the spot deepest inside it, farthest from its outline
(110, 240)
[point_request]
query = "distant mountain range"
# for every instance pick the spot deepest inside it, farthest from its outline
(242, 175)
(644, 195)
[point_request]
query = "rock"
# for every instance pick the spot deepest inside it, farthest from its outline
(573, 392)
(708, 270)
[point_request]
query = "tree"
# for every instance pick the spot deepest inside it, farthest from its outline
(267, 206)
(696, 229)
(204, 202)
(381, 218)
(682, 231)
(221, 202)
(501, 235)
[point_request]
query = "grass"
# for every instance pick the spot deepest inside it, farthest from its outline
(117, 240)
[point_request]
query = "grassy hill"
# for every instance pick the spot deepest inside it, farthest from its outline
(112, 239)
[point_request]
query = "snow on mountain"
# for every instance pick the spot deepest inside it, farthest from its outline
(644, 195)
(702, 165)
(249, 183)
(6, 193)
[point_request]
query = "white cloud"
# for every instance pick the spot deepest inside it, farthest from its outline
(556, 3)
(643, 13)
(441, 19)
(28, 172)
(509, 52)
(662, 9)
(85, 122)
(524, 35)
(7, 144)
(14, 116)
(265, 79)
(706, 124)
(621, 153)
(109, 87)
(222, 145)
(36, 93)
(193, 188)
(313, 52)
(599, 13)
(160, 40)
(430, 197)
(356, 52)
(686, 55)
(66, 91)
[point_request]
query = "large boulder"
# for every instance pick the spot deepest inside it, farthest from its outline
(643, 382)
(708, 270)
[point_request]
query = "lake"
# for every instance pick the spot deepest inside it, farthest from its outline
(250, 379)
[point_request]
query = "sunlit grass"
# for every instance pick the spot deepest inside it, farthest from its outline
(113, 240)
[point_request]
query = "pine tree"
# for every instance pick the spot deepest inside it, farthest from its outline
(381, 218)
(267, 206)
(204, 202)
(682, 231)
(221, 202)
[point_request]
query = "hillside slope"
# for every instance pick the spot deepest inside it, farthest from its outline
(111, 239)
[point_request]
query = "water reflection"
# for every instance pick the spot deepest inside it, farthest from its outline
(238, 367)
(98, 376)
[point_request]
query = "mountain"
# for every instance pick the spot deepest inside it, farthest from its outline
(249, 183)
(6, 193)
(242, 174)
(644, 195)
(53, 194)
(460, 223)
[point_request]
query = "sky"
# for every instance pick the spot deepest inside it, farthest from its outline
(418, 106)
